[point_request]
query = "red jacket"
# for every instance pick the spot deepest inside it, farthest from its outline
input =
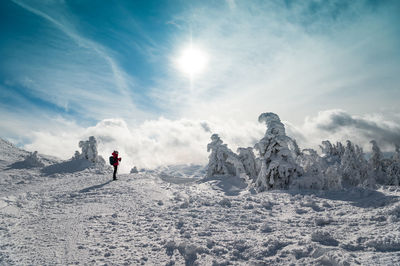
(116, 159)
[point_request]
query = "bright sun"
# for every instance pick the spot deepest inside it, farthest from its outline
(192, 61)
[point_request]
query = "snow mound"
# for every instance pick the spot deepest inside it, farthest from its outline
(10, 153)
(32, 160)
(71, 166)
(87, 159)
(89, 151)
(229, 185)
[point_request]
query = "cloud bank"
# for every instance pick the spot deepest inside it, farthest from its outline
(163, 142)
(151, 144)
(340, 125)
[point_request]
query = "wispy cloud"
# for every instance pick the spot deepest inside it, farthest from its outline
(80, 74)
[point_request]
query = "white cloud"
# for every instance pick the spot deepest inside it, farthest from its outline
(163, 141)
(339, 125)
(150, 144)
(287, 60)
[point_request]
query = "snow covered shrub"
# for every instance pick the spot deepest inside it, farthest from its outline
(222, 161)
(89, 151)
(32, 160)
(278, 166)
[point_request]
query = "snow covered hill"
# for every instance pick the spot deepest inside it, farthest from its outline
(165, 218)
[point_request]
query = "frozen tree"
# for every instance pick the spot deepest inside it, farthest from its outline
(222, 161)
(393, 174)
(393, 170)
(376, 163)
(32, 160)
(396, 155)
(134, 170)
(278, 167)
(354, 168)
(326, 148)
(246, 156)
(89, 151)
(311, 162)
(376, 157)
(313, 166)
(332, 153)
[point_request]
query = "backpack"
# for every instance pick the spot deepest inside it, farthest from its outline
(112, 160)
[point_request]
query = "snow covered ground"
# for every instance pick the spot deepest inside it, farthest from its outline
(171, 217)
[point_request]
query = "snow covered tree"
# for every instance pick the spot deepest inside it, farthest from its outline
(32, 160)
(246, 156)
(222, 161)
(134, 170)
(278, 167)
(311, 162)
(326, 148)
(376, 163)
(332, 153)
(393, 170)
(354, 168)
(313, 166)
(396, 155)
(89, 151)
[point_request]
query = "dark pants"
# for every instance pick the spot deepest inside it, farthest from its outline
(115, 172)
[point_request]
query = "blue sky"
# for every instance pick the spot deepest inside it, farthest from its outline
(66, 66)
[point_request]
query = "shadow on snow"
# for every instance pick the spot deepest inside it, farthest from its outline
(358, 197)
(230, 185)
(70, 166)
(88, 189)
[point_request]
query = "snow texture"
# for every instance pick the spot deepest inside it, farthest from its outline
(85, 218)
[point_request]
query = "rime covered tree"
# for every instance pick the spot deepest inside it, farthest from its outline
(278, 166)
(246, 156)
(33, 160)
(376, 163)
(222, 161)
(332, 153)
(393, 170)
(311, 162)
(354, 168)
(89, 151)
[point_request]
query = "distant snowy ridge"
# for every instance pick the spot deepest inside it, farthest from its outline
(16, 158)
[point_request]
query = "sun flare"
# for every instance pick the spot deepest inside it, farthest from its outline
(192, 61)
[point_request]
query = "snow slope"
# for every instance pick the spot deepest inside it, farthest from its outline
(150, 218)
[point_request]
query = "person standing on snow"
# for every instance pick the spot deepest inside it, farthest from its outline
(116, 163)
